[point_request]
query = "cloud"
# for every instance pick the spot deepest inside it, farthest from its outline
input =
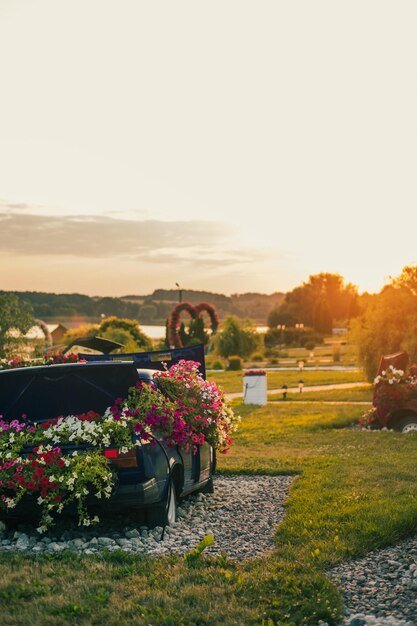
(14, 206)
(202, 257)
(202, 242)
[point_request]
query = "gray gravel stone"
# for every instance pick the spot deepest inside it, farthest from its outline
(106, 541)
(241, 515)
(380, 589)
(130, 534)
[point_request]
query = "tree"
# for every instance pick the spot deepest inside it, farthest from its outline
(407, 279)
(322, 317)
(237, 337)
(324, 297)
(389, 323)
(148, 313)
(14, 315)
(278, 315)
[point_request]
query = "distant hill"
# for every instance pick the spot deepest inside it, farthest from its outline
(148, 309)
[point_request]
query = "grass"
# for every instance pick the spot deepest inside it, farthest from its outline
(356, 394)
(343, 503)
(233, 381)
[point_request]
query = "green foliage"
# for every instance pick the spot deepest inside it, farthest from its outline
(196, 553)
(111, 326)
(148, 313)
(123, 336)
(310, 344)
(322, 320)
(237, 337)
(291, 337)
(54, 306)
(86, 330)
(388, 324)
(195, 334)
(315, 303)
(216, 364)
(279, 315)
(234, 363)
(124, 331)
(63, 307)
(14, 315)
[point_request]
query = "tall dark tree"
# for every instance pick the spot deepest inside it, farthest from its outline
(322, 322)
(322, 298)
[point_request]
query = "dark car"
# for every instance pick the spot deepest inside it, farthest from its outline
(151, 476)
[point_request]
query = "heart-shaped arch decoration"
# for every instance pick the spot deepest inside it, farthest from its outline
(194, 312)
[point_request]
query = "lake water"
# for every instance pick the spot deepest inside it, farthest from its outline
(154, 332)
(158, 332)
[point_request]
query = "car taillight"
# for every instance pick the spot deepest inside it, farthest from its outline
(126, 459)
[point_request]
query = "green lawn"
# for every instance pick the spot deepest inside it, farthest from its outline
(233, 381)
(356, 394)
(354, 491)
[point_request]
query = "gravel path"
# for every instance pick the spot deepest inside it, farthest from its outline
(241, 515)
(381, 589)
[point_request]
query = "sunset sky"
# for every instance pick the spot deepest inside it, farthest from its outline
(229, 146)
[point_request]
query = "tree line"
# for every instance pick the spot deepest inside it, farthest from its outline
(381, 323)
(153, 308)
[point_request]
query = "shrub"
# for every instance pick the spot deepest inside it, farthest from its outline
(309, 345)
(311, 337)
(237, 337)
(217, 365)
(86, 330)
(257, 356)
(109, 325)
(234, 363)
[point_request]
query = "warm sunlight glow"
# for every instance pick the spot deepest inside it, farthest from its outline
(136, 152)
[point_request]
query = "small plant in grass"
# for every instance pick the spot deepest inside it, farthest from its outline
(197, 552)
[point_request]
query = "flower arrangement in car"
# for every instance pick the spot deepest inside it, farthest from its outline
(393, 388)
(62, 461)
(48, 359)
